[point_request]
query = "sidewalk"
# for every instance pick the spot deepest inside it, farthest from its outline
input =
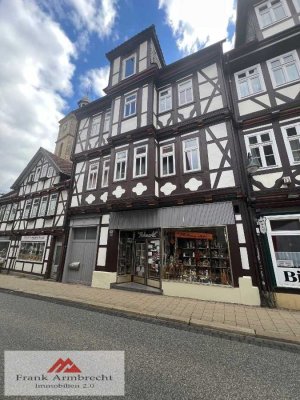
(274, 324)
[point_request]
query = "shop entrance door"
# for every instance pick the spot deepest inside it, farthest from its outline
(140, 263)
(147, 262)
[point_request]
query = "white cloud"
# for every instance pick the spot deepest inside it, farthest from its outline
(94, 81)
(198, 23)
(35, 72)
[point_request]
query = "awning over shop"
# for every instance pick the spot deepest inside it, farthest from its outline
(174, 217)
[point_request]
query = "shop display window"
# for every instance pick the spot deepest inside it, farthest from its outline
(3, 249)
(125, 253)
(197, 256)
(31, 251)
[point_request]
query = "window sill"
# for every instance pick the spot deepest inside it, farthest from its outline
(252, 95)
(286, 84)
(263, 169)
(274, 23)
(193, 171)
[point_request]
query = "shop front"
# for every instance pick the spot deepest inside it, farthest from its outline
(4, 247)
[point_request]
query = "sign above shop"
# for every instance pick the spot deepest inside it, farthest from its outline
(147, 234)
(36, 238)
(193, 235)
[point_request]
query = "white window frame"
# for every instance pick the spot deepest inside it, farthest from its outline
(163, 99)
(52, 204)
(140, 156)
(43, 206)
(124, 159)
(124, 66)
(11, 215)
(35, 207)
(27, 208)
(7, 212)
(167, 155)
(106, 124)
(272, 14)
(283, 66)
(288, 139)
(93, 176)
(248, 78)
(2, 210)
(105, 168)
(96, 122)
(261, 144)
(189, 83)
(184, 150)
(37, 173)
(50, 172)
(130, 102)
(297, 5)
(44, 171)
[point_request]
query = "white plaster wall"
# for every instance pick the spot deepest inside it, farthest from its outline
(290, 91)
(268, 180)
(116, 110)
(241, 233)
(244, 258)
(103, 235)
(248, 106)
(164, 118)
(144, 119)
(143, 64)
(143, 50)
(214, 156)
(129, 124)
(145, 99)
(216, 103)
(101, 259)
(185, 111)
(286, 24)
(105, 219)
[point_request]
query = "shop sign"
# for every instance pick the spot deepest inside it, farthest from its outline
(288, 277)
(147, 234)
(36, 238)
(193, 235)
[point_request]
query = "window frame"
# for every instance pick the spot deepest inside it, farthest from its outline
(169, 89)
(37, 174)
(40, 207)
(162, 175)
(135, 156)
(287, 140)
(50, 172)
(44, 171)
(34, 211)
(95, 117)
(107, 121)
(185, 170)
(248, 78)
(104, 169)
(118, 161)
(261, 144)
(280, 57)
(53, 195)
(91, 176)
(27, 212)
(272, 14)
(124, 76)
(130, 102)
(181, 83)
(7, 212)
(11, 215)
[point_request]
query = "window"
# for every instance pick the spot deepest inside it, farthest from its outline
(167, 160)
(129, 66)
(263, 149)
(291, 136)
(2, 209)
(165, 100)
(185, 92)
(31, 251)
(95, 128)
(191, 155)
(37, 174)
(284, 69)
(89, 233)
(249, 82)
(52, 204)
(44, 171)
(130, 105)
(43, 206)
(105, 173)
(31, 177)
(7, 212)
(13, 212)
(120, 165)
(106, 121)
(50, 172)
(27, 208)
(35, 207)
(297, 5)
(270, 12)
(140, 161)
(93, 176)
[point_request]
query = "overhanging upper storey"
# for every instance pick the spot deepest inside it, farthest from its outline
(137, 55)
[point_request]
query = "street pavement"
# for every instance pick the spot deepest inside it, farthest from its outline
(162, 363)
(255, 322)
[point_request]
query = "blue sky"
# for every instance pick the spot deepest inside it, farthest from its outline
(53, 52)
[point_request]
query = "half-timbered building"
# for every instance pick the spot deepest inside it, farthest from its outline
(157, 199)
(33, 217)
(264, 78)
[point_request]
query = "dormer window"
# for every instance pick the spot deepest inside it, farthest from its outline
(271, 12)
(129, 66)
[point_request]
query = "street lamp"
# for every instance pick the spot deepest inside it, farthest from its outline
(252, 165)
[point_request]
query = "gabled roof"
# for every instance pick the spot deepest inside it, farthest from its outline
(60, 165)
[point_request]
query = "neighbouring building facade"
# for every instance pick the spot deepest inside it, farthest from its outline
(33, 217)
(158, 196)
(66, 135)
(264, 79)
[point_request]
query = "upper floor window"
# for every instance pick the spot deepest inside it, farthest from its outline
(191, 155)
(31, 177)
(44, 170)
(120, 165)
(129, 66)
(249, 82)
(52, 204)
(43, 206)
(95, 128)
(140, 161)
(297, 5)
(291, 136)
(284, 69)
(2, 209)
(165, 100)
(167, 160)
(105, 173)
(50, 172)
(7, 212)
(271, 11)
(130, 105)
(93, 176)
(35, 207)
(27, 208)
(106, 121)
(185, 92)
(37, 173)
(262, 147)
(13, 212)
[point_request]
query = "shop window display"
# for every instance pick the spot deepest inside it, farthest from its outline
(31, 251)
(3, 250)
(200, 256)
